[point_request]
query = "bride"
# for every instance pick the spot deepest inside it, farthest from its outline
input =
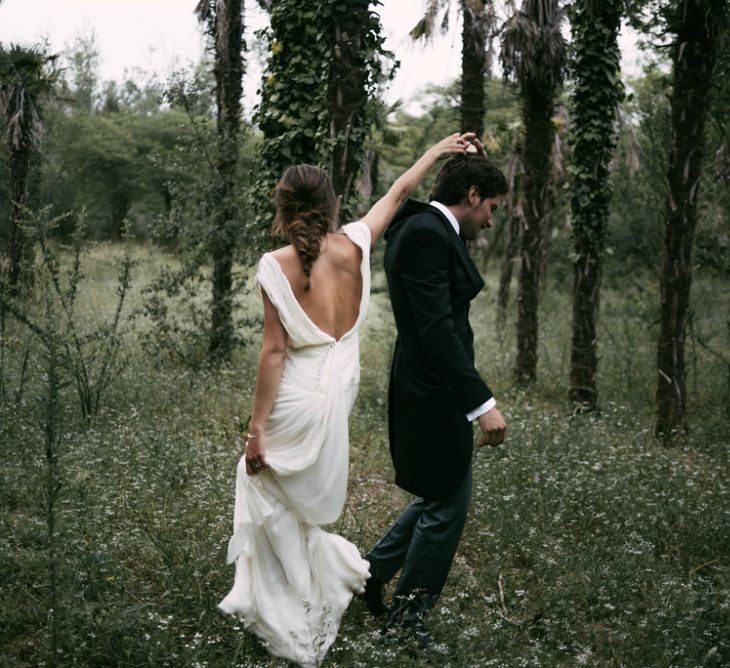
(294, 581)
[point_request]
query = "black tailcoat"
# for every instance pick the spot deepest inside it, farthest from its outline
(433, 382)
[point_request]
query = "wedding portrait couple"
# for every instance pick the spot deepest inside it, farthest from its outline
(293, 580)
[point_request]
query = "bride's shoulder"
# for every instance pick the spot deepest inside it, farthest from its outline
(286, 256)
(358, 233)
(283, 252)
(342, 245)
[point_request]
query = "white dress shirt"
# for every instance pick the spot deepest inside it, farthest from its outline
(489, 404)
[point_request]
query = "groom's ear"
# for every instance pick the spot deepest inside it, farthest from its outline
(473, 197)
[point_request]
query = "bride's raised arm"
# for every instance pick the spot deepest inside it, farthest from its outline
(384, 209)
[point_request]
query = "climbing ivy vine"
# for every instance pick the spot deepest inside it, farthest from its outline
(319, 92)
(596, 95)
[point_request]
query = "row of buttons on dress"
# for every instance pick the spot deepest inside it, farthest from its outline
(325, 359)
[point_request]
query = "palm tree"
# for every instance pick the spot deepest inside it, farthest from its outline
(224, 19)
(25, 82)
(699, 28)
(478, 18)
(534, 54)
(595, 101)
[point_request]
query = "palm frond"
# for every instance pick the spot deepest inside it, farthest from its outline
(204, 10)
(426, 26)
(25, 81)
(533, 47)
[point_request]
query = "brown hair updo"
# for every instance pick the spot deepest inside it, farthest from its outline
(306, 210)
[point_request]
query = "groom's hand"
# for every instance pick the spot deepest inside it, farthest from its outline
(493, 428)
(477, 147)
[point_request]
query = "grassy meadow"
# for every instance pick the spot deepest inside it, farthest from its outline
(588, 543)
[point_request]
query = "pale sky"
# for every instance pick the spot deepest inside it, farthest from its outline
(162, 35)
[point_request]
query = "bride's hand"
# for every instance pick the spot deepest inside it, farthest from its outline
(455, 144)
(255, 460)
(477, 147)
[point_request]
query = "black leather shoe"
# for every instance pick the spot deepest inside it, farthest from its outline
(373, 597)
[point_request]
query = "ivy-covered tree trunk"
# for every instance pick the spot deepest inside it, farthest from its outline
(290, 99)
(596, 95)
(539, 133)
(347, 92)
(227, 24)
(473, 64)
(318, 91)
(698, 26)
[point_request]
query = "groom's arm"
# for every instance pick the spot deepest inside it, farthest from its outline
(423, 264)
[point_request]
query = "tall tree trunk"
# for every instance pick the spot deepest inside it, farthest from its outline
(119, 205)
(19, 168)
(595, 99)
(693, 55)
(508, 261)
(539, 132)
(229, 67)
(346, 96)
(473, 65)
(515, 212)
(369, 176)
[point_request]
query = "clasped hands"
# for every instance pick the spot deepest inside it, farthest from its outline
(457, 143)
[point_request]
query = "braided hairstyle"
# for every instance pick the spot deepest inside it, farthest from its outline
(306, 210)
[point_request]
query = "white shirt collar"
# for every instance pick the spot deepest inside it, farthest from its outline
(449, 216)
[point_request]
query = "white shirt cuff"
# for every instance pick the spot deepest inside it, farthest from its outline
(487, 406)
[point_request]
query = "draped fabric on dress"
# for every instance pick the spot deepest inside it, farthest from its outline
(293, 580)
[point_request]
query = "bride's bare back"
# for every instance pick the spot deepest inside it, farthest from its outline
(333, 299)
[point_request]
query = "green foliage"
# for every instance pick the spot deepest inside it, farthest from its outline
(113, 148)
(86, 353)
(712, 242)
(634, 231)
(81, 80)
(117, 166)
(581, 530)
(294, 114)
(177, 300)
(595, 98)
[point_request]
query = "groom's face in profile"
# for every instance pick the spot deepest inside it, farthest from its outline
(478, 216)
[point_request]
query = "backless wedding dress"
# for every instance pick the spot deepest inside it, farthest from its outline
(294, 581)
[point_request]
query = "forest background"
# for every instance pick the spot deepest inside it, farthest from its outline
(131, 217)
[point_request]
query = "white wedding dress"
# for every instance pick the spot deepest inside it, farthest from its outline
(293, 580)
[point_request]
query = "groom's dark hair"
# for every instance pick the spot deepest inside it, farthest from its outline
(464, 171)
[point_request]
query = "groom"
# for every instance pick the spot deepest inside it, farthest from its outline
(435, 391)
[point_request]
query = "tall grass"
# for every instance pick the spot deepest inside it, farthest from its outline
(587, 544)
